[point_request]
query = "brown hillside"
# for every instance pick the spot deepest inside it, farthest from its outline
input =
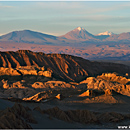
(67, 67)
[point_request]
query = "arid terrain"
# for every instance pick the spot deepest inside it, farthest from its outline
(87, 51)
(39, 90)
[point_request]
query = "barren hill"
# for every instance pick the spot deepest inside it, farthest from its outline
(67, 67)
(28, 36)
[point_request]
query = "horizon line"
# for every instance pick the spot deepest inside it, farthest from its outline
(65, 0)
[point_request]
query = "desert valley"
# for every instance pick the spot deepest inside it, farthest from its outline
(66, 91)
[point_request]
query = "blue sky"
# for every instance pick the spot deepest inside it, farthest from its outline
(58, 18)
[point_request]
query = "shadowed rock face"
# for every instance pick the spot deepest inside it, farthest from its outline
(85, 116)
(65, 67)
(16, 117)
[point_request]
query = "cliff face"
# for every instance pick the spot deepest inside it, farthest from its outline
(65, 67)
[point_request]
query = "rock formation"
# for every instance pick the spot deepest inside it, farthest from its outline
(25, 70)
(65, 67)
(86, 116)
(114, 78)
(39, 96)
(16, 117)
(60, 96)
(108, 92)
(87, 93)
(103, 84)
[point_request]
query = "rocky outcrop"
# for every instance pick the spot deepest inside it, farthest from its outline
(60, 96)
(58, 85)
(25, 70)
(87, 93)
(32, 87)
(114, 78)
(39, 96)
(103, 85)
(58, 113)
(22, 111)
(49, 95)
(85, 116)
(38, 85)
(108, 92)
(7, 84)
(81, 116)
(16, 117)
(8, 71)
(113, 117)
(45, 73)
(19, 92)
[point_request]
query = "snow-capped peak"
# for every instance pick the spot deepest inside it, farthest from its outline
(79, 28)
(105, 33)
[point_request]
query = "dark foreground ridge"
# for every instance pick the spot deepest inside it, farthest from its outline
(63, 66)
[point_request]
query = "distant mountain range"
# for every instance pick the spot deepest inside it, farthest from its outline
(77, 42)
(27, 36)
(78, 35)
